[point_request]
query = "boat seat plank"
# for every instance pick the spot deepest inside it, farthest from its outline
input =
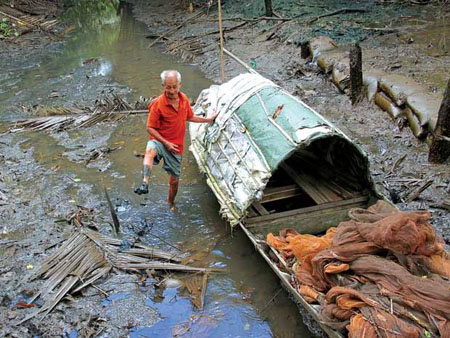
(321, 207)
(279, 193)
(258, 206)
(251, 212)
(315, 188)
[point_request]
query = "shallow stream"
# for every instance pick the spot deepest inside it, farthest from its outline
(244, 300)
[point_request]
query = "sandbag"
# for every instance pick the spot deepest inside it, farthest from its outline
(370, 80)
(326, 60)
(340, 75)
(387, 105)
(414, 124)
(399, 87)
(424, 106)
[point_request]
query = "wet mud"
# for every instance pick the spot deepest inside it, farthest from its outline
(44, 176)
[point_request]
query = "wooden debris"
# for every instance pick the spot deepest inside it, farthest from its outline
(87, 256)
(83, 216)
(173, 30)
(99, 153)
(412, 194)
(196, 286)
(113, 213)
(32, 23)
(397, 163)
(444, 205)
(339, 11)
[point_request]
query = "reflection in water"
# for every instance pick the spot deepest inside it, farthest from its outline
(237, 300)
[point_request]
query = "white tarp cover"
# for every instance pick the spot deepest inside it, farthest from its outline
(246, 143)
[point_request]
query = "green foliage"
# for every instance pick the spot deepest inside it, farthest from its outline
(7, 28)
(88, 14)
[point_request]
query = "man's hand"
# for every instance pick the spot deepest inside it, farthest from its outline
(172, 147)
(213, 118)
(200, 119)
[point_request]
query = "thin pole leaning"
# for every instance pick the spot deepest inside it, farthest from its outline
(222, 64)
(242, 63)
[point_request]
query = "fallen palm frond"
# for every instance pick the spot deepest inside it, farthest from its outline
(109, 109)
(88, 255)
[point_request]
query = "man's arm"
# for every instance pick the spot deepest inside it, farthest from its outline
(169, 145)
(200, 119)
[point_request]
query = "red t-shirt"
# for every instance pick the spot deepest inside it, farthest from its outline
(170, 123)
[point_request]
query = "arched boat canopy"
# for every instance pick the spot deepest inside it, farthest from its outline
(261, 128)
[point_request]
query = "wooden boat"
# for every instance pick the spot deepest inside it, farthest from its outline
(274, 163)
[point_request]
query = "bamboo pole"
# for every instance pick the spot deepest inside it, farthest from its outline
(242, 63)
(222, 63)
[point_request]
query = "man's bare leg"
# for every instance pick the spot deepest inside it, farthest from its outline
(173, 189)
(146, 171)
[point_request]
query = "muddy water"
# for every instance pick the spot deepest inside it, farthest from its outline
(243, 300)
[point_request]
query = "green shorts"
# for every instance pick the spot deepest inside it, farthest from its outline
(172, 162)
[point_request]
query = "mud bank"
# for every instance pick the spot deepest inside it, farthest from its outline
(393, 39)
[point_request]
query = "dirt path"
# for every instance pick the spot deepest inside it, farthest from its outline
(397, 37)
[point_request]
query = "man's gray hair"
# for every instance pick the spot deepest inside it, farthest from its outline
(167, 73)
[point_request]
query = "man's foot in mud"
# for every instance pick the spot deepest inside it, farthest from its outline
(142, 189)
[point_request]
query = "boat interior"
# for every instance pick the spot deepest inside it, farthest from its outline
(313, 189)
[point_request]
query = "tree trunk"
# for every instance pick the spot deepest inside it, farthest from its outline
(269, 11)
(440, 143)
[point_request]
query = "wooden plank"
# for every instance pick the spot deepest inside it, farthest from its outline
(311, 223)
(322, 186)
(306, 186)
(251, 212)
(258, 206)
(279, 193)
(327, 173)
(323, 206)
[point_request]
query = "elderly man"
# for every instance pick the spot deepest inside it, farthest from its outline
(166, 125)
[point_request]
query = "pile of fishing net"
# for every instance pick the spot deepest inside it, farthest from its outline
(384, 273)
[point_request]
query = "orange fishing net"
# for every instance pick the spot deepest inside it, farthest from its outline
(381, 272)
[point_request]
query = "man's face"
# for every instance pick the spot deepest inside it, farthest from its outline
(171, 87)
